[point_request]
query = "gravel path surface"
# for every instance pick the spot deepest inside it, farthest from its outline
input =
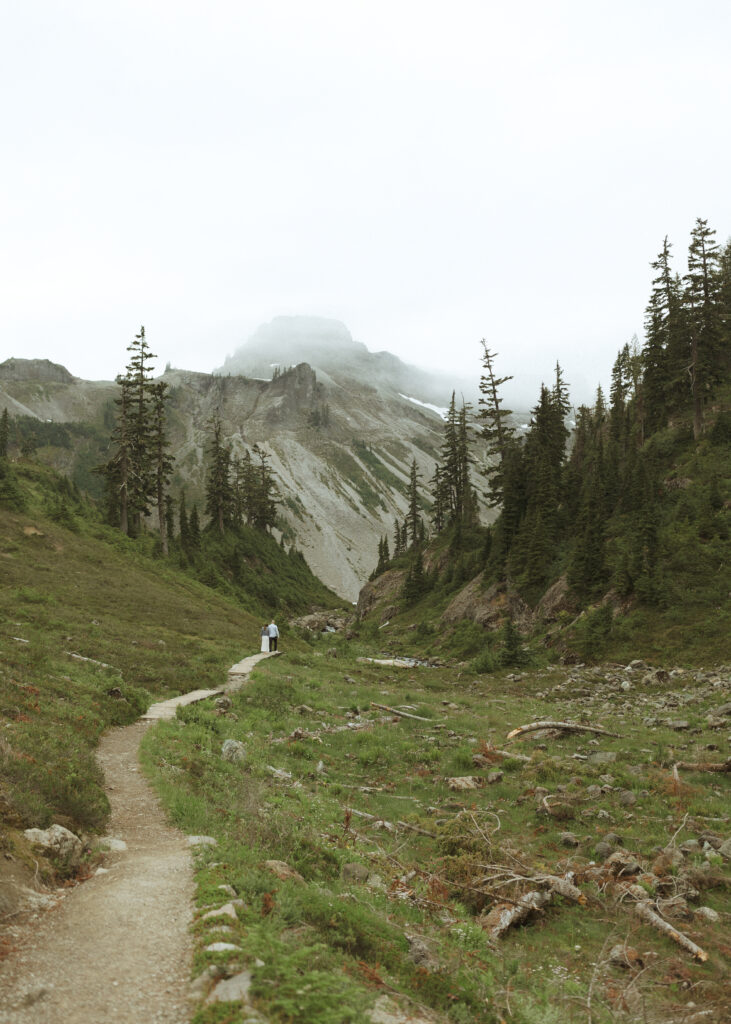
(116, 948)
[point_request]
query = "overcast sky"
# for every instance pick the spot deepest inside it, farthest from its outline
(429, 173)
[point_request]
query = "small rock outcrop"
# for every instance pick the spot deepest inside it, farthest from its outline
(58, 844)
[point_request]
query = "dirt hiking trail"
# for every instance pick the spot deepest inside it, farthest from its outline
(117, 948)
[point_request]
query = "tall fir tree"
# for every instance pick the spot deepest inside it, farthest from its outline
(413, 516)
(161, 459)
(702, 295)
(219, 496)
(496, 429)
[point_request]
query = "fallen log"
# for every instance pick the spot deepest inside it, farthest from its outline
(705, 766)
(644, 911)
(523, 730)
(401, 714)
(562, 887)
(505, 916)
(389, 825)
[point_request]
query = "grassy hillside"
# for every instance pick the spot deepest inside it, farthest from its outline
(73, 589)
(396, 841)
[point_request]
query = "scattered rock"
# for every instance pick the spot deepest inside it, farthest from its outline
(494, 777)
(201, 984)
(354, 872)
(708, 914)
(231, 989)
(568, 839)
(227, 910)
(462, 782)
(112, 845)
(222, 947)
(376, 883)
(223, 704)
(725, 849)
(625, 956)
(283, 871)
(622, 864)
(421, 952)
(627, 798)
(58, 844)
(202, 841)
(233, 751)
(690, 846)
(613, 839)
(386, 1011)
(602, 757)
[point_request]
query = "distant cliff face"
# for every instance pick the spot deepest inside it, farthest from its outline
(341, 441)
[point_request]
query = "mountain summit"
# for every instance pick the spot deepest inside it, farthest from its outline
(330, 349)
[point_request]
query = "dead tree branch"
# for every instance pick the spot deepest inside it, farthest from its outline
(401, 714)
(523, 730)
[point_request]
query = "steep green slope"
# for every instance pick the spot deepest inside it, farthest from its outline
(660, 589)
(73, 589)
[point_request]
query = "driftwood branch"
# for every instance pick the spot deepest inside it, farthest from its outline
(645, 912)
(523, 730)
(401, 714)
(705, 766)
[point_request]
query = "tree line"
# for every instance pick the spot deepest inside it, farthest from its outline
(558, 489)
(238, 490)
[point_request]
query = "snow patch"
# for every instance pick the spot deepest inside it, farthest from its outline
(426, 405)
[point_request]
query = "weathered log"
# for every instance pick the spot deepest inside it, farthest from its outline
(401, 714)
(705, 766)
(562, 887)
(389, 825)
(505, 916)
(523, 730)
(644, 911)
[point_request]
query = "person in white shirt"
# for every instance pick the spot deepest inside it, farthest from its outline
(273, 635)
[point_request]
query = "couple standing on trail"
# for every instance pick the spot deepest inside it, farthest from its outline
(269, 637)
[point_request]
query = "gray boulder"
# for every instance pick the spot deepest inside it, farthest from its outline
(233, 751)
(58, 844)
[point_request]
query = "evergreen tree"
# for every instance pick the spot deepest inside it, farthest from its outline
(219, 497)
(183, 523)
(415, 583)
(496, 431)
(413, 518)
(169, 517)
(396, 538)
(4, 434)
(130, 474)
(264, 493)
(194, 530)
(142, 483)
(162, 462)
(703, 287)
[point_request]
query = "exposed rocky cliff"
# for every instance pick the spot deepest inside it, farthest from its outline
(340, 446)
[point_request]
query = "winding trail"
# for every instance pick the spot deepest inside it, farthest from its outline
(117, 948)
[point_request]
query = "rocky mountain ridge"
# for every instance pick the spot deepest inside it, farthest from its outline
(341, 447)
